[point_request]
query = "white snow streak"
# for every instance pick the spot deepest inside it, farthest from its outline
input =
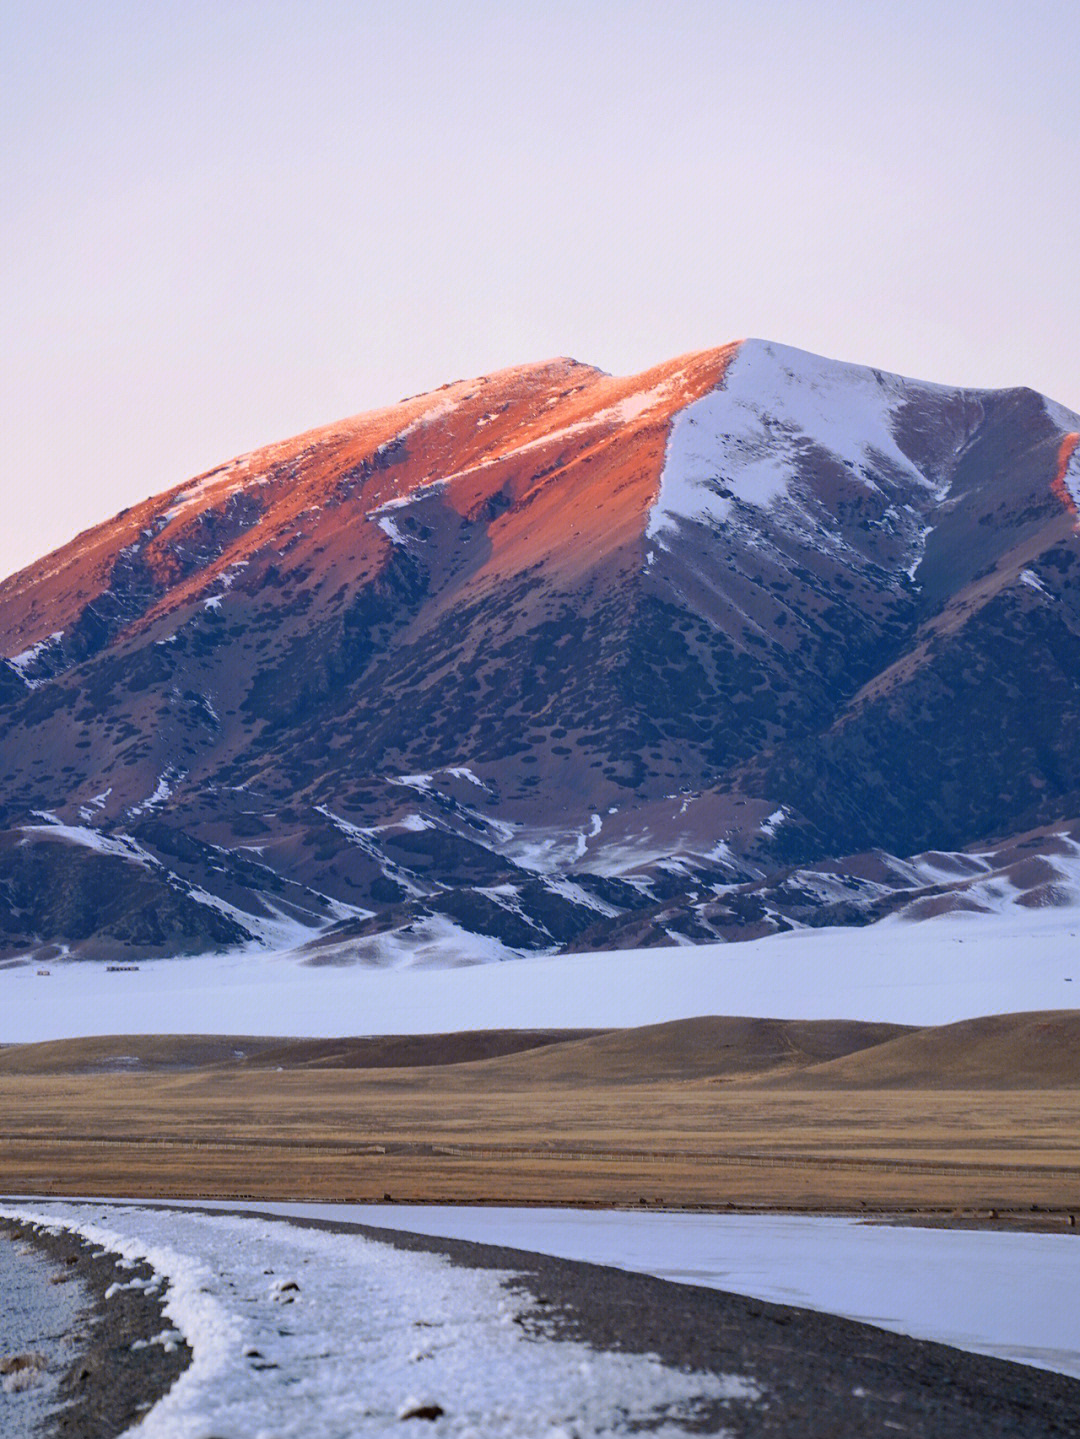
(774, 821)
(23, 661)
(162, 791)
(389, 529)
(1031, 579)
(122, 846)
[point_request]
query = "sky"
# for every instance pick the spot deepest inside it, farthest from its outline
(224, 223)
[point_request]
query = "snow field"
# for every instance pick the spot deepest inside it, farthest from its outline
(303, 1334)
(949, 968)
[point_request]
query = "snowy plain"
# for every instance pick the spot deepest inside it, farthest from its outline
(302, 1334)
(1013, 1296)
(931, 972)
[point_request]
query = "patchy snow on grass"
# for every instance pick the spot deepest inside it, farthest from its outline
(421, 782)
(303, 1334)
(774, 821)
(26, 659)
(438, 411)
(365, 840)
(162, 791)
(431, 942)
(94, 805)
(414, 823)
(463, 772)
(389, 528)
(122, 846)
(217, 482)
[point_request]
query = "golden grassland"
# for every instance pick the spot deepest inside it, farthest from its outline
(707, 1113)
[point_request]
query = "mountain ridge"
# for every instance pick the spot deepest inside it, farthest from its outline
(547, 658)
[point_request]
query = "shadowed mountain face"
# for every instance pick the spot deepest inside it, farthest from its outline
(553, 660)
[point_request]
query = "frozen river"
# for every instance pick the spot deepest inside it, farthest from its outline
(1015, 1296)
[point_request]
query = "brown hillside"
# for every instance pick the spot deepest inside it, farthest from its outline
(409, 1051)
(139, 1053)
(1040, 1050)
(711, 1047)
(124, 1053)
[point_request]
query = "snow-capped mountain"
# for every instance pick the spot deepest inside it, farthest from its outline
(550, 659)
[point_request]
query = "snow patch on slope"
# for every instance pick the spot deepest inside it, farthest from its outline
(775, 408)
(626, 411)
(1066, 420)
(191, 496)
(389, 528)
(1031, 579)
(25, 661)
(273, 929)
(432, 941)
(121, 846)
(162, 791)
(364, 839)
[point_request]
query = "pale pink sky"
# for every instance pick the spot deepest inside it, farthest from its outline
(226, 222)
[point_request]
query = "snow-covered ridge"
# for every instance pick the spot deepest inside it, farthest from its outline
(776, 407)
(1067, 421)
(271, 927)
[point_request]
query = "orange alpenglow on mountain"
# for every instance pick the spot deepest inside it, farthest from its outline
(551, 659)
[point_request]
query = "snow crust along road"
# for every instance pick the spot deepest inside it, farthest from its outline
(304, 1334)
(933, 972)
(1012, 1296)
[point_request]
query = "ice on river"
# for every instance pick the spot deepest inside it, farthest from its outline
(1013, 1296)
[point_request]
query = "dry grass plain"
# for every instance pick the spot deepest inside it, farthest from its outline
(711, 1113)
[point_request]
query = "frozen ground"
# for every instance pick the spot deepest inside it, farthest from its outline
(1013, 1296)
(303, 1334)
(37, 1322)
(934, 972)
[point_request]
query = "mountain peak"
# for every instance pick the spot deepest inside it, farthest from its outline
(488, 659)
